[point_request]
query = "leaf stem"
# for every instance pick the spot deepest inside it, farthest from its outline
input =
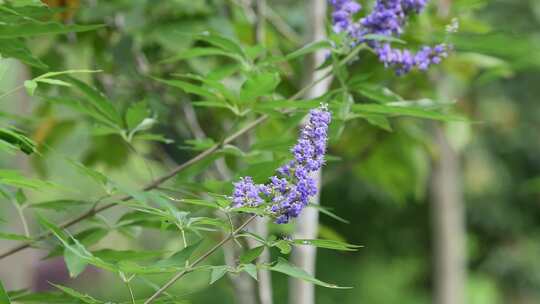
(200, 259)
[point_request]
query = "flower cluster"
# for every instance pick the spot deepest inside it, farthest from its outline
(288, 192)
(387, 19)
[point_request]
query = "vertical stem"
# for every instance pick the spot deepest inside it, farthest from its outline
(301, 292)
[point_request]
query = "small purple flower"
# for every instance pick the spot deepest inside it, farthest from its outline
(288, 193)
(388, 18)
(246, 193)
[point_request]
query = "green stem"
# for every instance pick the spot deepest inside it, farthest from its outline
(200, 259)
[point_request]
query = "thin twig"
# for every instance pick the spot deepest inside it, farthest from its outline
(200, 259)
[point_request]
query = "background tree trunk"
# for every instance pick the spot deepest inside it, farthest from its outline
(448, 224)
(301, 292)
(448, 218)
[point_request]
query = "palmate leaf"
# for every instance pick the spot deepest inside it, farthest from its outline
(284, 267)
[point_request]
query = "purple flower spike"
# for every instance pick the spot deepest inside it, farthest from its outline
(288, 193)
(388, 18)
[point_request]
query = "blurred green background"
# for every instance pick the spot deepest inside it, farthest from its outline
(380, 179)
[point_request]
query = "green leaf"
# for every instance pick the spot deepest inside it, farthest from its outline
(54, 82)
(222, 42)
(97, 176)
(30, 86)
(14, 237)
(16, 138)
(77, 295)
(43, 297)
(48, 75)
(4, 299)
(15, 179)
(251, 270)
(328, 244)
(16, 48)
(258, 84)
(101, 104)
(188, 87)
(30, 29)
(136, 113)
(72, 244)
(200, 202)
(309, 48)
(251, 254)
(200, 52)
(74, 263)
(180, 258)
(379, 121)
(284, 267)
(20, 197)
(59, 205)
(404, 111)
(375, 92)
(111, 255)
(217, 273)
(283, 246)
(327, 212)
